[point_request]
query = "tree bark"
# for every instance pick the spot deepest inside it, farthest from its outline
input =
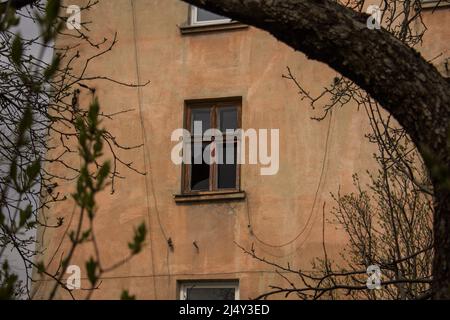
(395, 75)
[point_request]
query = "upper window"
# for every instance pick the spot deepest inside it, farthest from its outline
(202, 17)
(213, 146)
(435, 3)
(200, 290)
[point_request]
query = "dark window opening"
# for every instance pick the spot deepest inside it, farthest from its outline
(200, 169)
(210, 294)
(226, 177)
(210, 290)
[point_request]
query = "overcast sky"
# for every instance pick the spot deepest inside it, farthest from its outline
(28, 30)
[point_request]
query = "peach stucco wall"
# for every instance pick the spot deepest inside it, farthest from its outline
(247, 63)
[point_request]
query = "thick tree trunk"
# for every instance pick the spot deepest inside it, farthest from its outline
(404, 83)
(441, 263)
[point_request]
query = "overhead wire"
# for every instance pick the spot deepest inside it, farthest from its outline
(321, 179)
(146, 156)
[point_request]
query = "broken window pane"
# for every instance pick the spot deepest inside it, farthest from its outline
(226, 175)
(199, 168)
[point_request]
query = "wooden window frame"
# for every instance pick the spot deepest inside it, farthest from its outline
(214, 105)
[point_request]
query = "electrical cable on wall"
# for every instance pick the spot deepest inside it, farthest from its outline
(147, 161)
(321, 179)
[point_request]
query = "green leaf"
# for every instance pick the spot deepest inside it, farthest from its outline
(98, 146)
(40, 267)
(25, 215)
(10, 18)
(33, 170)
(13, 172)
(5, 266)
(31, 224)
(72, 237)
(139, 238)
(103, 174)
(8, 283)
(93, 113)
(52, 10)
(49, 22)
(17, 50)
(25, 123)
(51, 70)
(126, 296)
(91, 268)
(85, 235)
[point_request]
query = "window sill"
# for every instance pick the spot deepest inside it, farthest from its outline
(194, 29)
(434, 4)
(209, 196)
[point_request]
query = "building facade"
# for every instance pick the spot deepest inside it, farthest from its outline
(227, 75)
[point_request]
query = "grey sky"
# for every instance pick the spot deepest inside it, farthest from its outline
(28, 30)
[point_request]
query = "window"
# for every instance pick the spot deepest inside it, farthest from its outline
(202, 290)
(201, 21)
(434, 3)
(202, 17)
(213, 146)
